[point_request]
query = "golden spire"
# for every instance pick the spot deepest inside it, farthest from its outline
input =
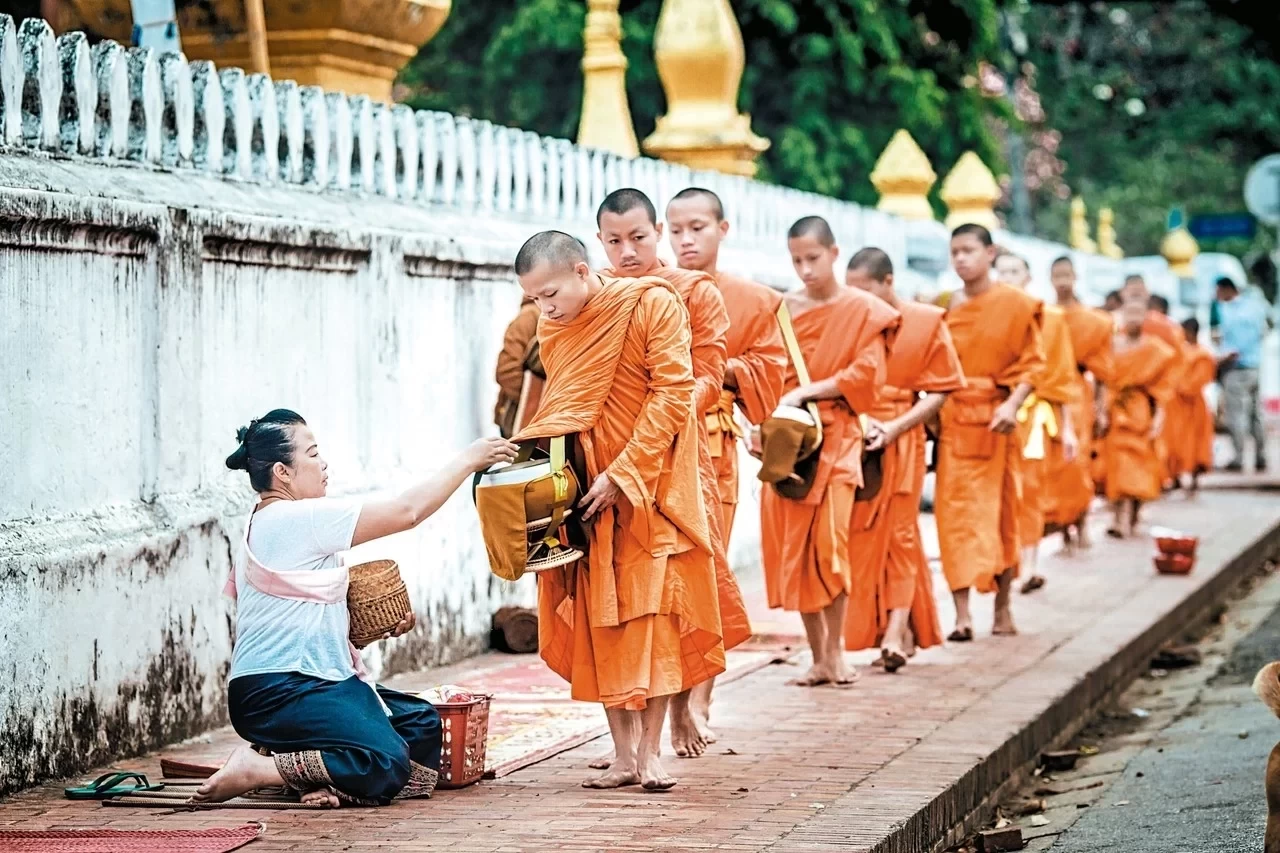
(1078, 230)
(970, 192)
(903, 177)
(1107, 234)
(1180, 249)
(606, 118)
(699, 53)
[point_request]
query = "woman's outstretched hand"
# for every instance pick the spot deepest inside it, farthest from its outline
(485, 452)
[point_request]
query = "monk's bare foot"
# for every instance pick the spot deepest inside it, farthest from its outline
(322, 796)
(704, 731)
(841, 674)
(244, 771)
(602, 763)
(685, 738)
(813, 678)
(652, 775)
(1004, 626)
(617, 777)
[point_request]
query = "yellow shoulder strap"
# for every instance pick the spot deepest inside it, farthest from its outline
(797, 359)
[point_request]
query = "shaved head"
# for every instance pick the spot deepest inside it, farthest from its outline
(698, 193)
(563, 251)
(874, 262)
(623, 201)
(815, 227)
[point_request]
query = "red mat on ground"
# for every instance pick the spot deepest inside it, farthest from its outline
(129, 841)
(533, 718)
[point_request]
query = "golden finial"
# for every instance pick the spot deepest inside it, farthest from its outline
(1180, 249)
(1078, 230)
(1107, 244)
(903, 176)
(699, 53)
(606, 118)
(970, 192)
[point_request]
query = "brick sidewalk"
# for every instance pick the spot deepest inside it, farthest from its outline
(891, 764)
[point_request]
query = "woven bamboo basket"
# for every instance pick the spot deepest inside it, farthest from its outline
(377, 600)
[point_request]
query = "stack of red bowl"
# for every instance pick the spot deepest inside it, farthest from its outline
(1175, 552)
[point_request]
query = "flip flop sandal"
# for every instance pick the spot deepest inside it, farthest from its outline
(110, 785)
(958, 636)
(894, 661)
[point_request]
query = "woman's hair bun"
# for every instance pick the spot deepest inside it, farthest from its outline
(242, 434)
(239, 458)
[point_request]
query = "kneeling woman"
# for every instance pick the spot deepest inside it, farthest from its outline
(298, 691)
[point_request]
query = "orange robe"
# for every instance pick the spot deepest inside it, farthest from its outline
(1056, 384)
(639, 620)
(979, 484)
(1188, 424)
(1163, 327)
(890, 571)
(1072, 490)
(709, 325)
(805, 543)
(510, 371)
(758, 358)
(1146, 377)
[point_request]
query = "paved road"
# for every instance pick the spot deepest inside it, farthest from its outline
(1189, 779)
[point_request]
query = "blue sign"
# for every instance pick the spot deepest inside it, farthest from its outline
(1218, 226)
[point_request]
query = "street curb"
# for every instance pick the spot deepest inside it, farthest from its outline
(975, 794)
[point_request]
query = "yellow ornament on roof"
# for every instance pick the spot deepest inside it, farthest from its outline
(903, 176)
(970, 192)
(1107, 244)
(1180, 250)
(1078, 230)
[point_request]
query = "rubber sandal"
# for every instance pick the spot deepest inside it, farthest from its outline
(174, 769)
(958, 636)
(110, 785)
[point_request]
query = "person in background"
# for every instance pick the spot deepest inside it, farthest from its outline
(1243, 325)
(1112, 302)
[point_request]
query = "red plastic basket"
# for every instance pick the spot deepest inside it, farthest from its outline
(466, 736)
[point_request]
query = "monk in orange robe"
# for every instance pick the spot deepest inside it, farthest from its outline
(630, 233)
(1091, 331)
(753, 375)
(1158, 324)
(844, 336)
(1190, 426)
(1147, 373)
(892, 600)
(520, 334)
(978, 495)
(1045, 432)
(638, 623)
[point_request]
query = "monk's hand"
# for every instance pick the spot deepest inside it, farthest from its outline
(486, 452)
(877, 436)
(755, 445)
(405, 626)
(1005, 419)
(795, 399)
(603, 494)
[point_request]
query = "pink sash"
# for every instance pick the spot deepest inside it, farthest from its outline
(320, 586)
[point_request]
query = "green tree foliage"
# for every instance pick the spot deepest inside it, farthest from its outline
(827, 81)
(1158, 105)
